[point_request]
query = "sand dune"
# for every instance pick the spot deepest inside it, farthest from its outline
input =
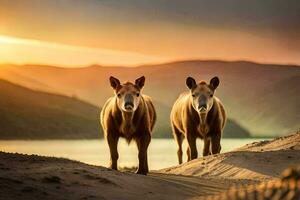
(290, 142)
(256, 161)
(37, 177)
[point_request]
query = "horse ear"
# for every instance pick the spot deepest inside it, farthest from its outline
(214, 82)
(114, 82)
(140, 82)
(190, 82)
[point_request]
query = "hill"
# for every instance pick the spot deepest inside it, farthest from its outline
(28, 114)
(262, 98)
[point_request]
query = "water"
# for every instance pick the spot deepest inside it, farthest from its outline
(161, 152)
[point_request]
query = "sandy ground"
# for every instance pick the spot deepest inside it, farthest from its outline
(37, 177)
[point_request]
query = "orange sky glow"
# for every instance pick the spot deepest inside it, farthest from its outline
(23, 51)
(78, 33)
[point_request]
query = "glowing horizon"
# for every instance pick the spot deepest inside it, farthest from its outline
(21, 51)
(16, 50)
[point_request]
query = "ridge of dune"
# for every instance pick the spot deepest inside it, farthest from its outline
(281, 143)
(257, 161)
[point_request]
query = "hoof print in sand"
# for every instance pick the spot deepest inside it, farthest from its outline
(28, 189)
(52, 179)
(99, 179)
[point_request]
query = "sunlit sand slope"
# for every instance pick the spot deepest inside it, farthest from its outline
(256, 161)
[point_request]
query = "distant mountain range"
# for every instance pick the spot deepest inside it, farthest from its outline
(262, 98)
(29, 114)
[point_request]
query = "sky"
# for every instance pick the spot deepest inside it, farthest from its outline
(133, 32)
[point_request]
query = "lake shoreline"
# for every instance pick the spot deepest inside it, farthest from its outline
(102, 138)
(161, 152)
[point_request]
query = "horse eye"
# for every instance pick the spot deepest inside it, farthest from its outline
(211, 95)
(193, 95)
(137, 94)
(119, 95)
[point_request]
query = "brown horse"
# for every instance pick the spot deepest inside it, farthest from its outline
(198, 114)
(130, 115)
